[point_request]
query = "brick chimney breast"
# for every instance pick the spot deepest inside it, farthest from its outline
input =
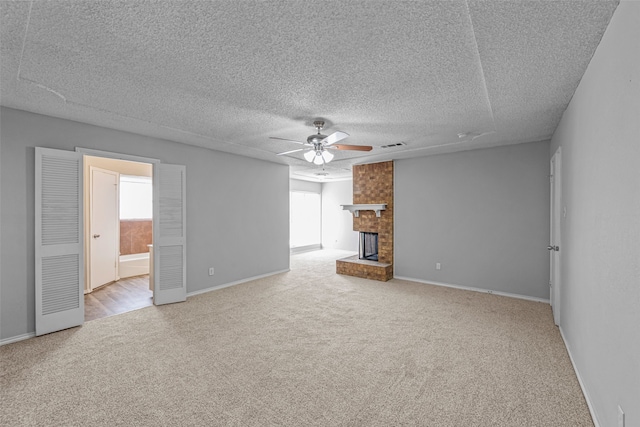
(373, 183)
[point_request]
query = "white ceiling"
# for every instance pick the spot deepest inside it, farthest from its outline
(229, 74)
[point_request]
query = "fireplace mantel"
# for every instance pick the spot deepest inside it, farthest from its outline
(355, 209)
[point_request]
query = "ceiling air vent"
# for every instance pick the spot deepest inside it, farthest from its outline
(393, 145)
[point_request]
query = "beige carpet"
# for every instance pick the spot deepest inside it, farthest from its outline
(304, 348)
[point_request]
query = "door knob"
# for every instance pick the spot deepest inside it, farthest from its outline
(95, 236)
(553, 248)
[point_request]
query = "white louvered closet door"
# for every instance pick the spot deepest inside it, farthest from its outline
(170, 244)
(58, 240)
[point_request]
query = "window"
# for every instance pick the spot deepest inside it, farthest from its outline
(305, 219)
(136, 197)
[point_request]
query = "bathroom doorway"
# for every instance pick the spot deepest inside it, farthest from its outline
(62, 233)
(118, 236)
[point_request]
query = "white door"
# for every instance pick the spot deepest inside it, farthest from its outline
(554, 242)
(104, 227)
(59, 240)
(169, 234)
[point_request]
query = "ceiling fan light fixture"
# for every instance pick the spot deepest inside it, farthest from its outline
(310, 155)
(319, 144)
(327, 156)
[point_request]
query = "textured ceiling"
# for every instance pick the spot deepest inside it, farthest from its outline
(229, 74)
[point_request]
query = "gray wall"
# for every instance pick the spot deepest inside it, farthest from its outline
(600, 288)
(482, 214)
(337, 224)
(233, 204)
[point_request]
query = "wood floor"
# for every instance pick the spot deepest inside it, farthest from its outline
(118, 297)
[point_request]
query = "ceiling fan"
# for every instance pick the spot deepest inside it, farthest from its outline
(320, 146)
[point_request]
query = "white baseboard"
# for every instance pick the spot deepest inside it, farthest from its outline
(584, 389)
(303, 249)
(17, 338)
(469, 288)
(237, 282)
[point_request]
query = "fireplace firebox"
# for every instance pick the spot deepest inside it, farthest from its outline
(368, 246)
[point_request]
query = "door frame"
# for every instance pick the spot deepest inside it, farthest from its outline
(555, 234)
(90, 221)
(118, 156)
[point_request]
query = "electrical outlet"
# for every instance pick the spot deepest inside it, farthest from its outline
(620, 417)
(438, 266)
(211, 271)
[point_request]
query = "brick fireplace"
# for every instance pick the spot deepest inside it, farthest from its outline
(372, 184)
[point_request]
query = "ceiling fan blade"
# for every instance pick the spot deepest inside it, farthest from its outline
(289, 152)
(334, 137)
(289, 140)
(352, 147)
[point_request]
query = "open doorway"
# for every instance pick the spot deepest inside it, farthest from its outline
(305, 221)
(61, 234)
(118, 236)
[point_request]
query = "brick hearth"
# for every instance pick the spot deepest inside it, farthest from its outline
(353, 266)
